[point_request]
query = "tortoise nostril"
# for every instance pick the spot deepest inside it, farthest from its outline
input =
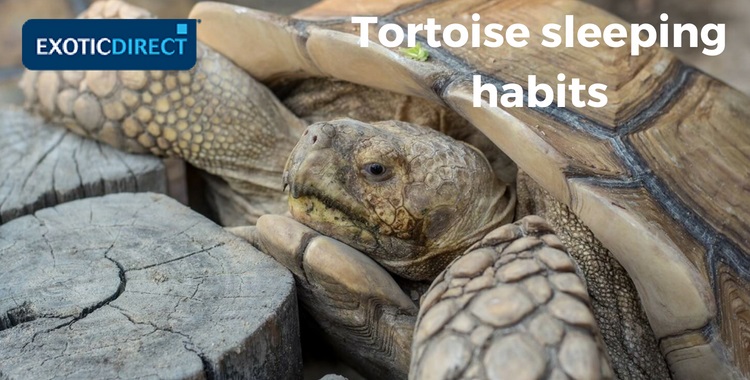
(305, 134)
(314, 139)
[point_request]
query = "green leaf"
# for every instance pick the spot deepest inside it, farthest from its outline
(417, 53)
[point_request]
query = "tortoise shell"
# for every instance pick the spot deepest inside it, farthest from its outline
(661, 174)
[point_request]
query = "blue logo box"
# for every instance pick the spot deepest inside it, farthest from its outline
(151, 44)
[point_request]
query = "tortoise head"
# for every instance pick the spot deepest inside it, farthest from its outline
(409, 197)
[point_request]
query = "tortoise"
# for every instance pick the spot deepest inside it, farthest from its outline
(646, 193)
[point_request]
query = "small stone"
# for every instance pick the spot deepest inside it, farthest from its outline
(546, 330)
(332, 376)
(434, 319)
(571, 310)
(515, 357)
(539, 289)
(556, 259)
(501, 306)
(445, 358)
(517, 270)
(414, 295)
(579, 356)
(569, 283)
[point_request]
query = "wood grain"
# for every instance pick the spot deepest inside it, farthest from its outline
(137, 285)
(42, 166)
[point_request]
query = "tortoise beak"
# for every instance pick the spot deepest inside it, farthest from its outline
(310, 158)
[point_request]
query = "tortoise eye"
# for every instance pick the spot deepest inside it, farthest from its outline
(375, 171)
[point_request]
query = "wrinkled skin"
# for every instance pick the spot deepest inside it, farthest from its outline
(332, 184)
(348, 179)
(366, 185)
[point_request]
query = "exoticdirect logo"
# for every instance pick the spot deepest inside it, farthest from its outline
(148, 44)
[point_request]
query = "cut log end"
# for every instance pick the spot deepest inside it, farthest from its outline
(43, 166)
(136, 285)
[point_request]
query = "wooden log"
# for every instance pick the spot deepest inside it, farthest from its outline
(42, 166)
(137, 285)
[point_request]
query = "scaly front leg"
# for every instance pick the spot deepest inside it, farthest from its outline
(215, 116)
(514, 307)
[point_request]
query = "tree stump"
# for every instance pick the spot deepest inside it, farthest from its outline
(43, 166)
(137, 285)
